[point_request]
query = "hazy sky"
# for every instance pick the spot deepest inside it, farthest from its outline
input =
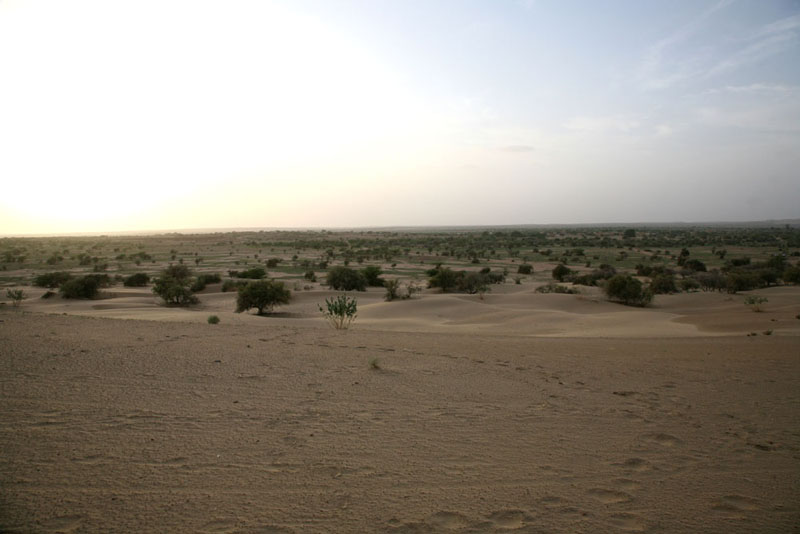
(166, 114)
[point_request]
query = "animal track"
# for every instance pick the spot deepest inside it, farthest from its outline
(608, 496)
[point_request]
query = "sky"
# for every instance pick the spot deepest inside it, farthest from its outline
(159, 115)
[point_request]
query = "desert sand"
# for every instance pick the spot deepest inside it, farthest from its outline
(518, 412)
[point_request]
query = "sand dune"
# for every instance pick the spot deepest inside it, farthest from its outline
(255, 426)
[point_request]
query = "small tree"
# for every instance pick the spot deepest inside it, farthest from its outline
(16, 296)
(392, 286)
(444, 278)
(755, 302)
(372, 273)
(262, 295)
(83, 287)
(628, 290)
(340, 312)
(51, 280)
(136, 280)
(346, 279)
(560, 271)
(173, 286)
(663, 283)
(525, 268)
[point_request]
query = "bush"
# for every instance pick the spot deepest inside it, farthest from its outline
(310, 276)
(742, 281)
(755, 302)
(137, 280)
(473, 282)
(173, 286)
(694, 265)
(662, 284)
(392, 286)
(204, 279)
(628, 290)
(83, 287)
(273, 262)
(51, 280)
(525, 268)
(346, 279)
(256, 273)
(262, 295)
(791, 275)
(552, 287)
(711, 281)
(16, 296)
(340, 312)
(232, 285)
(689, 284)
(213, 319)
(371, 273)
(560, 271)
(444, 278)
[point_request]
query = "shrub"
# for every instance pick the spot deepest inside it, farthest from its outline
(137, 280)
(204, 279)
(213, 319)
(694, 265)
(628, 290)
(340, 312)
(791, 275)
(560, 271)
(51, 280)
(689, 284)
(256, 273)
(83, 287)
(663, 284)
(552, 287)
(273, 262)
(310, 276)
(711, 281)
(346, 279)
(16, 296)
(755, 302)
(444, 278)
(474, 283)
(525, 268)
(392, 286)
(371, 273)
(232, 285)
(742, 281)
(173, 286)
(262, 295)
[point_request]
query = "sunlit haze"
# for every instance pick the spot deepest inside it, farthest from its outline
(147, 115)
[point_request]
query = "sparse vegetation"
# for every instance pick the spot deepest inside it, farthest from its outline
(340, 311)
(262, 295)
(16, 296)
(755, 303)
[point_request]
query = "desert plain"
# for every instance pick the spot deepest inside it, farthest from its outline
(504, 411)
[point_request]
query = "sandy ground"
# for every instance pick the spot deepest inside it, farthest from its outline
(516, 413)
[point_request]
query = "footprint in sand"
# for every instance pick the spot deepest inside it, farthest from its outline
(736, 506)
(64, 523)
(635, 464)
(448, 520)
(661, 438)
(628, 522)
(626, 484)
(607, 496)
(220, 526)
(509, 519)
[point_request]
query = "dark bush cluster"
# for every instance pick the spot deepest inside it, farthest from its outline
(470, 282)
(137, 280)
(628, 290)
(84, 287)
(51, 280)
(346, 279)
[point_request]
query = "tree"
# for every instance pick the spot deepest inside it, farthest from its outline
(346, 279)
(51, 280)
(392, 286)
(371, 273)
(137, 280)
(262, 295)
(16, 296)
(663, 283)
(525, 268)
(560, 271)
(173, 286)
(628, 290)
(83, 287)
(444, 278)
(340, 311)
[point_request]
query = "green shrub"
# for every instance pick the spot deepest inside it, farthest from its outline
(392, 286)
(256, 273)
(310, 276)
(213, 319)
(755, 302)
(444, 278)
(552, 287)
(51, 280)
(689, 284)
(203, 280)
(137, 280)
(262, 295)
(628, 290)
(662, 284)
(273, 262)
(525, 268)
(16, 296)
(232, 285)
(83, 287)
(340, 312)
(49, 294)
(372, 273)
(173, 286)
(346, 279)
(560, 271)
(742, 281)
